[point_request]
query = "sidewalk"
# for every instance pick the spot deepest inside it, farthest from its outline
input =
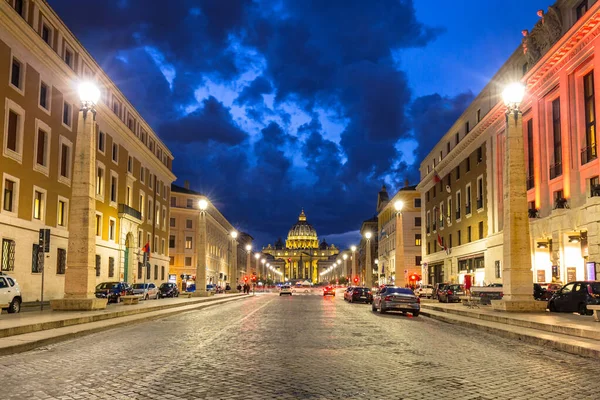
(26, 331)
(571, 333)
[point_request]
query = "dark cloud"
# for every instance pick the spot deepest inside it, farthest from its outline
(432, 116)
(252, 93)
(211, 122)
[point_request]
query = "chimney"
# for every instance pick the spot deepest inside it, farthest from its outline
(406, 183)
(186, 184)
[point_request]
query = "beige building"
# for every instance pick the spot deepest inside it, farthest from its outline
(41, 64)
(411, 231)
(183, 251)
(556, 62)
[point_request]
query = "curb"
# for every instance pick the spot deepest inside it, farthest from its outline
(29, 341)
(568, 344)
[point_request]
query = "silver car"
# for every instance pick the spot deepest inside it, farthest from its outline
(148, 290)
(391, 298)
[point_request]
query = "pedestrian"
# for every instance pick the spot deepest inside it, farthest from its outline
(239, 287)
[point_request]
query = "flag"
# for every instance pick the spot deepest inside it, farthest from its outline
(146, 248)
(436, 177)
(442, 245)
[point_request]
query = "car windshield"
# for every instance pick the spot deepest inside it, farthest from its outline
(165, 285)
(285, 287)
(139, 286)
(595, 287)
(107, 285)
(361, 289)
(398, 290)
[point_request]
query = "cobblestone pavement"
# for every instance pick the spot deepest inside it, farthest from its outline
(298, 347)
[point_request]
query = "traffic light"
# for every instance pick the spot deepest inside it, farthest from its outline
(356, 279)
(245, 279)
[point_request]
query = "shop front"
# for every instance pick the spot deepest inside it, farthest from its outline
(436, 273)
(473, 265)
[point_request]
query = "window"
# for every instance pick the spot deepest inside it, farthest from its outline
(581, 9)
(36, 259)
(111, 229)
(595, 186)
(46, 34)
(450, 241)
(172, 222)
(20, 7)
(458, 203)
(116, 107)
(480, 229)
(67, 114)
(418, 260)
(188, 261)
(417, 239)
(65, 160)
(589, 151)
(130, 164)
(530, 179)
(98, 264)
(164, 217)
(190, 203)
(38, 205)
(188, 224)
(479, 154)
(128, 196)
(428, 222)
(456, 138)
(41, 148)
(150, 208)
(188, 242)
(115, 152)
(459, 236)
(142, 203)
(497, 269)
(417, 203)
(468, 164)
(427, 196)
(44, 96)
(8, 255)
(468, 200)
(100, 181)
(113, 188)
(417, 221)
(142, 174)
(163, 250)
(111, 267)
(480, 193)
(556, 168)
(69, 57)
(17, 72)
(469, 234)
(155, 247)
(458, 172)
(428, 248)
(148, 271)
(98, 224)
(140, 270)
(62, 213)
(9, 201)
(478, 115)
(171, 241)
(13, 137)
(101, 140)
(61, 261)
(171, 260)
(162, 273)
(173, 201)
(447, 148)
(155, 271)
(467, 127)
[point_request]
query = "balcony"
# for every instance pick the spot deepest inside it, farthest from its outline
(480, 203)
(588, 154)
(530, 182)
(468, 209)
(132, 212)
(555, 170)
(560, 203)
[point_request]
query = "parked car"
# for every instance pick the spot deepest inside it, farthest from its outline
(113, 291)
(146, 290)
(451, 293)
(437, 288)
(575, 297)
(424, 291)
(329, 290)
(488, 293)
(168, 289)
(550, 289)
(285, 289)
(10, 294)
(396, 298)
(538, 292)
(362, 294)
(348, 289)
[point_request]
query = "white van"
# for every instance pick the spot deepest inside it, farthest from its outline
(285, 289)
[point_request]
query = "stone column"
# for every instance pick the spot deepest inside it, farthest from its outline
(248, 265)
(201, 257)
(517, 278)
(399, 253)
(368, 266)
(353, 266)
(80, 274)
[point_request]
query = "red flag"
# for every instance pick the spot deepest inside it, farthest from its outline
(440, 242)
(436, 177)
(146, 248)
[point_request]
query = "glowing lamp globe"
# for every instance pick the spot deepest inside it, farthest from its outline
(398, 205)
(234, 234)
(89, 94)
(203, 204)
(257, 256)
(368, 235)
(513, 94)
(345, 256)
(353, 248)
(248, 247)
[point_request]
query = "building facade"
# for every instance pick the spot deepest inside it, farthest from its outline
(183, 241)
(369, 225)
(411, 231)
(557, 64)
(302, 252)
(41, 64)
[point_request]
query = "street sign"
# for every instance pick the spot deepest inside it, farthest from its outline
(44, 240)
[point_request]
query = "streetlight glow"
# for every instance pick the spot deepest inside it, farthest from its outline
(339, 261)
(202, 204)
(513, 95)
(398, 205)
(368, 235)
(345, 256)
(257, 256)
(353, 248)
(248, 247)
(234, 234)
(88, 94)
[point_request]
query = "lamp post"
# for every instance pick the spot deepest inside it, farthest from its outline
(353, 248)
(368, 266)
(337, 271)
(399, 264)
(248, 256)
(80, 275)
(345, 257)
(201, 243)
(263, 271)
(257, 257)
(516, 270)
(233, 269)
(378, 272)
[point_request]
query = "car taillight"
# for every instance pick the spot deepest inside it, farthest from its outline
(418, 299)
(368, 292)
(123, 293)
(387, 298)
(590, 292)
(501, 294)
(449, 292)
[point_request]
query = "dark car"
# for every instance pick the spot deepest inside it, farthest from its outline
(437, 288)
(575, 297)
(396, 298)
(362, 294)
(168, 289)
(451, 293)
(113, 291)
(538, 292)
(329, 290)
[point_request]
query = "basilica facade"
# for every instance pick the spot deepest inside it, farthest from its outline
(301, 252)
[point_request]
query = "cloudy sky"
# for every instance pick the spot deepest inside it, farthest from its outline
(273, 105)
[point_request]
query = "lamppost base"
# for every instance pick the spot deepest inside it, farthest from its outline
(202, 293)
(75, 304)
(519, 305)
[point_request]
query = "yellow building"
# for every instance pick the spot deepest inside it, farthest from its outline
(301, 252)
(41, 63)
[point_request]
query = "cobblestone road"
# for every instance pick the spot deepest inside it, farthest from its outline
(299, 347)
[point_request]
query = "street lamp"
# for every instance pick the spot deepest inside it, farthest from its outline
(378, 273)
(368, 266)
(234, 267)
(248, 257)
(353, 248)
(80, 273)
(399, 251)
(202, 205)
(345, 257)
(516, 269)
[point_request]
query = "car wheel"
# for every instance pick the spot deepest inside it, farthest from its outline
(351, 300)
(118, 299)
(381, 310)
(279, 294)
(552, 307)
(147, 297)
(415, 314)
(583, 310)
(15, 306)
